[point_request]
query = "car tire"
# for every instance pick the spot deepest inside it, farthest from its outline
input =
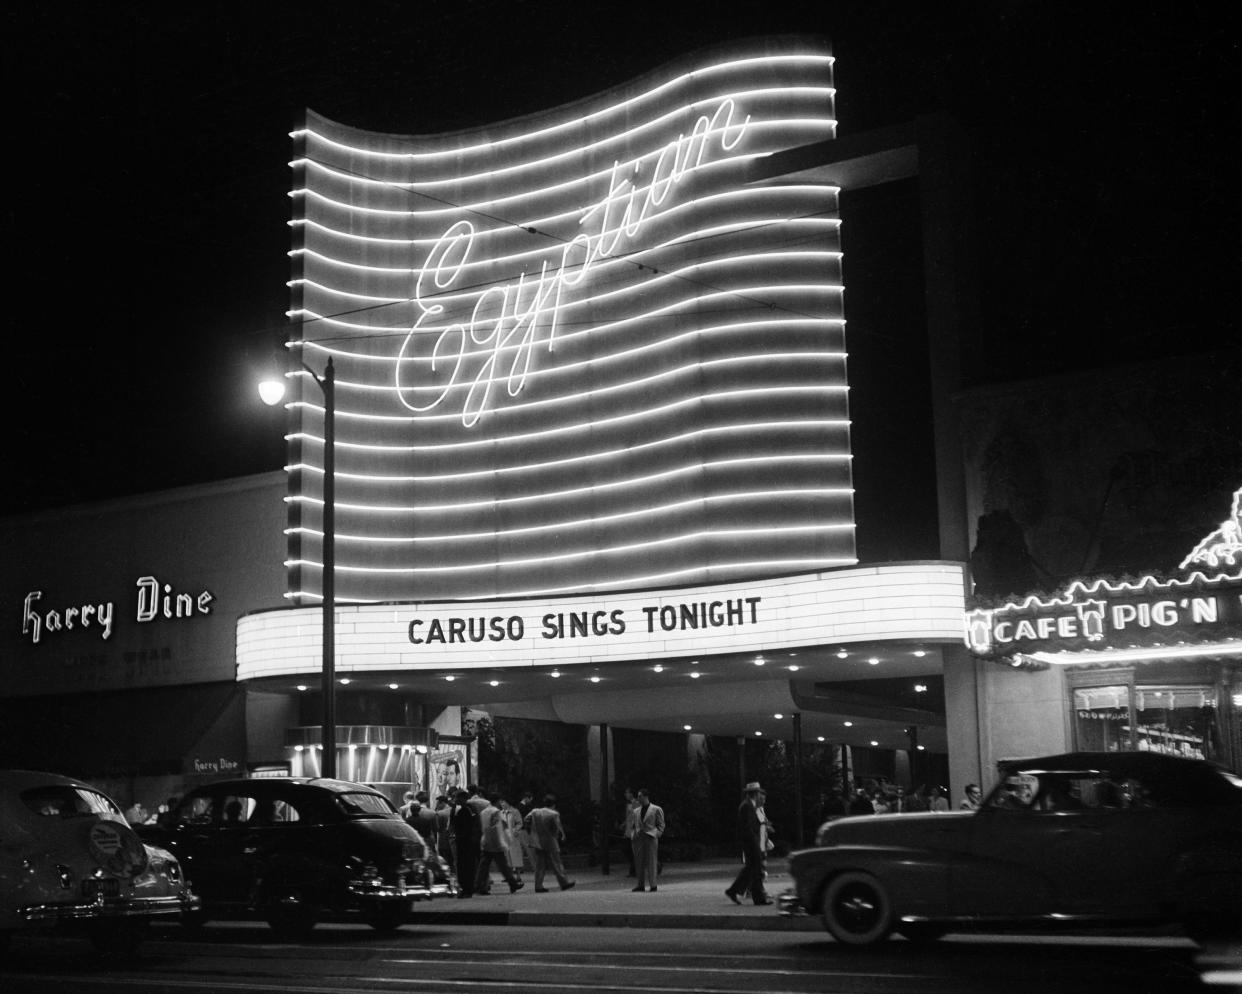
(388, 916)
(291, 912)
(921, 932)
(856, 909)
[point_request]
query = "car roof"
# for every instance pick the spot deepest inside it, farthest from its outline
(1191, 776)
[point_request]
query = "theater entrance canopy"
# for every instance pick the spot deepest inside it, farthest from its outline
(722, 658)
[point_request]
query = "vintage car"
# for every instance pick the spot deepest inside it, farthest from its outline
(68, 859)
(293, 849)
(1061, 840)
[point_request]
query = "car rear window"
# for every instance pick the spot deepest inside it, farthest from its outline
(61, 801)
(365, 805)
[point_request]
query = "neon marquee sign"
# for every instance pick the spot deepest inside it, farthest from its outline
(549, 331)
(1103, 615)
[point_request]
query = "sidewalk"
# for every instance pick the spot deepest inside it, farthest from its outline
(690, 895)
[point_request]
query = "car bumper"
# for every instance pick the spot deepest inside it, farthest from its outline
(367, 891)
(788, 905)
(139, 907)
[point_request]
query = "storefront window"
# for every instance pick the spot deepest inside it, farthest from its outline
(1171, 719)
(1180, 721)
(1102, 719)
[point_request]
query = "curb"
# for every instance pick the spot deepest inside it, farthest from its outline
(614, 919)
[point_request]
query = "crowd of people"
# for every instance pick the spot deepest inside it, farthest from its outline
(475, 832)
(871, 797)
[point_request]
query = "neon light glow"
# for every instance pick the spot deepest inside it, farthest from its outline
(578, 351)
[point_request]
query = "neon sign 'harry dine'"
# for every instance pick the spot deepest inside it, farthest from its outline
(507, 318)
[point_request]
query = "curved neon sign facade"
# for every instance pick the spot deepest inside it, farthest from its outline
(576, 351)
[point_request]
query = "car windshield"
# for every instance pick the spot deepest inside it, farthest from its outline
(370, 805)
(63, 801)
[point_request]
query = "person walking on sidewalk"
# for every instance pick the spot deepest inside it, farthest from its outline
(629, 825)
(493, 845)
(546, 833)
(752, 834)
(465, 822)
(649, 826)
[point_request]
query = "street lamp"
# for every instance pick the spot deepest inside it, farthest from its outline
(272, 391)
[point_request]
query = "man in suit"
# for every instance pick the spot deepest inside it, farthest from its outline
(649, 826)
(752, 834)
(546, 833)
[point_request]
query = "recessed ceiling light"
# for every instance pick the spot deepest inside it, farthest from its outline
(494, 683)
(921, 748)
(695, 674)
(555, 673)
(757, 732)
(759, 660)
(778, 716)
(819, 738)
(920, 653)
(873, 661)
(594, 679)
(687, 727)
(301, 686)
(842, 654)
(657, 668)
(450, 678)
(874, 742)
(297, 748)
(344, 681)
(848, 724)
(793, 668)
(392, 686)
(920, 688)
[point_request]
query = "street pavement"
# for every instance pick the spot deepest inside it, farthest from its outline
(690, 895)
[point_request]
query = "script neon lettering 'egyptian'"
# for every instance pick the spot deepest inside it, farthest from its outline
(512, 320)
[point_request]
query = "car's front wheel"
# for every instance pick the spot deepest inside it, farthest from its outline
(387, 916)
(856, 909)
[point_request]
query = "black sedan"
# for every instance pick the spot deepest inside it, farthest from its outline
(1072, 839)
(292, 849)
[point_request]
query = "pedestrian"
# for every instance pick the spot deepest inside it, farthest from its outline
(525, 805)
(477, 800)
(544, 825)
(512, 822)
(971, 798)
(424, 821)
(939, 800)
(407, 804)
(629, 827)
(466, 836)
(444, 833)
(752, 834)
(648, 827)
(493, 848)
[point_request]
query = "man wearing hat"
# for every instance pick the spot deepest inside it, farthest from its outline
(750, 830)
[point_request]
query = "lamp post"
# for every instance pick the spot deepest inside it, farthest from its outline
(272, 392)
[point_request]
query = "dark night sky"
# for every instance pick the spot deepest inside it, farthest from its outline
(147, 187)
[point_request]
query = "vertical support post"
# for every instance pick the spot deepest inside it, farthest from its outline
(799, 833)
(741, 765)
(328, 383)
(605, 803)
